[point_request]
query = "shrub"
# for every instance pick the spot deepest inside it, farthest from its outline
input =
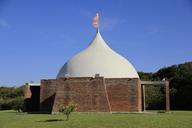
(67, 109)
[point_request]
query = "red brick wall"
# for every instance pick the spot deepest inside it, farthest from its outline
(124, 94)
(88, 93)
(47, 95)
(92, 94)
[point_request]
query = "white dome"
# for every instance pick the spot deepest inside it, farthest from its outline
(98, 58)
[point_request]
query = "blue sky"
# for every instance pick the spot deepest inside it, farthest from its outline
(38, 36)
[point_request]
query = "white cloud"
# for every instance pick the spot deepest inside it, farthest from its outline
(153, 30)
(67, 38)
(150, 31)
(87, 14)
(109, 23)
(4, 23)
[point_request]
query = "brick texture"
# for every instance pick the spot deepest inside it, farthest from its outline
(124, 94)
(47, 95)
(92, 94)
(88, 93)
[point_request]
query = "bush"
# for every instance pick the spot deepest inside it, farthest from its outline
(67, 109)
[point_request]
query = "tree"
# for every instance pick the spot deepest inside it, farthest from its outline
(67, 109)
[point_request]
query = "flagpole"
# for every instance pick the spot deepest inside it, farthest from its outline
(98, 29)
(98, 23)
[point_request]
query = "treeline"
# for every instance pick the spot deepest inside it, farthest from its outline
(11, 98)
(180, 78)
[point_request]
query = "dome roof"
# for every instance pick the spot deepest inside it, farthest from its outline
(98, 58)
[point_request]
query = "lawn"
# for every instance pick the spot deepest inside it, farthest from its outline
(174, 119)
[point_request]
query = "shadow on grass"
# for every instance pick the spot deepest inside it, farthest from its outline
(51, 120)
(11, 112)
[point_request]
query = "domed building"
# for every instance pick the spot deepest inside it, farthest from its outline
(97, 79)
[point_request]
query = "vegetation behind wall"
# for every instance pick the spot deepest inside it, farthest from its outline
(180, 78)
(11, 98)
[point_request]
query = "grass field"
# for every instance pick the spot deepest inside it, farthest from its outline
(175, 119)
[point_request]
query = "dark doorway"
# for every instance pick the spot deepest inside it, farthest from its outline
(35, 98)
(33, 104)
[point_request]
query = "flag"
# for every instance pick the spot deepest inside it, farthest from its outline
(96, 20)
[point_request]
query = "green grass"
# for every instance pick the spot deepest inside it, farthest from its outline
(175, 119)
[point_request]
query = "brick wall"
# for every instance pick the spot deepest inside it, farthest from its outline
(88, 93)
(124, 94)
(47, 95)
(92, 94)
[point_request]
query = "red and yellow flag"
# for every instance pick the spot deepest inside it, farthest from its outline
(96, 20)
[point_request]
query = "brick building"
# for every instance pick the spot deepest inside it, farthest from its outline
(97, 79)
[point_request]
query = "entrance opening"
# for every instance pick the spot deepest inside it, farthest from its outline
(32, 103)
